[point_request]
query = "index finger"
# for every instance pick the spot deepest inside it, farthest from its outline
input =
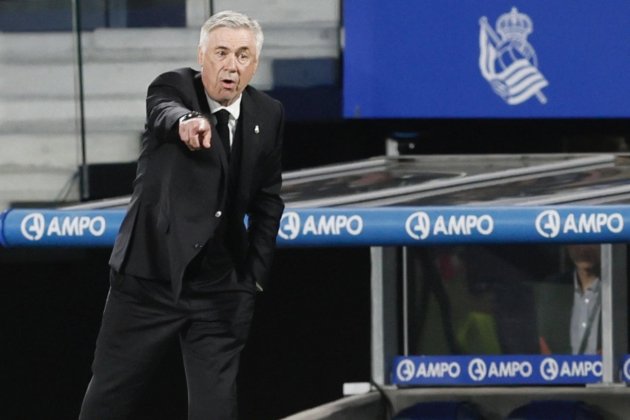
(206, 139)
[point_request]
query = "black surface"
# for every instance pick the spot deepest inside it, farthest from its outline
(110, 179)
(310, 334)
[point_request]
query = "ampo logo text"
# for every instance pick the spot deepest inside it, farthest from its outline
(34, 228)
(510, 369)
(550, 224)
(438, 370)
(549, 369)
(419, 225)
(477, 369)
(291, 225)
(406, 370)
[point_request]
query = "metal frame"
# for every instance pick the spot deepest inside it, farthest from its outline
(384, 303)
(386, 307)
(614, 309)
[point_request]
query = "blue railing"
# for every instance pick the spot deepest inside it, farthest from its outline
(354, 226)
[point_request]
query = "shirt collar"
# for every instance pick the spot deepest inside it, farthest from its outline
(234, 109)
(578, 289)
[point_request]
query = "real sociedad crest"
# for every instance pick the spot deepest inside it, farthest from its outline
(507, 61)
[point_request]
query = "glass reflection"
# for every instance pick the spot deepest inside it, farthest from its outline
(361, 181)
(516, 299)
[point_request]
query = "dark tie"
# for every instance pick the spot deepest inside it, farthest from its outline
(223, 116)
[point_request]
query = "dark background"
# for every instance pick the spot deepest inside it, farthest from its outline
(310, 334)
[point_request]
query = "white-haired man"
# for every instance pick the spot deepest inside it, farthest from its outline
(184, 265)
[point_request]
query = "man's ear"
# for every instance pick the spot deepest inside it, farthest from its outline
(199, 55)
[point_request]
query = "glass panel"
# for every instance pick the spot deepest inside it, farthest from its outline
(404, 175)
(38, 114)
(538, 187)
(361, 181)
(153, 13)
(504, 299)
(126, 44)
(35, 15)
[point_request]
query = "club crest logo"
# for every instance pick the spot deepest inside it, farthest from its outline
(507, 61)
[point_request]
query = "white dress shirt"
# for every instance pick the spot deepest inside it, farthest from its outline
(234, 109)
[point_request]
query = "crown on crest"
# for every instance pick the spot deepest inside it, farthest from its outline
(514, 25)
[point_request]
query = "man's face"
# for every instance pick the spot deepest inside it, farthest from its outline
(228, 62)
(587, 270)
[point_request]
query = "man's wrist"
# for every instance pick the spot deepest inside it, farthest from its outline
(191, 115)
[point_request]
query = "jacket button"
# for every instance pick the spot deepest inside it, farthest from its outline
(218, 214)
(196, 246)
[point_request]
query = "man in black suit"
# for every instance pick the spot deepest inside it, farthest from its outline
(185, 265)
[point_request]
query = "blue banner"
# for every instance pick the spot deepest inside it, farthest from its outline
(40, 227)
(625, 368)
(356, 226)
(486, 59)
(453, 225)
(497, 370)
(2, 216)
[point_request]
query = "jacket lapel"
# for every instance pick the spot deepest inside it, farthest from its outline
(250, 127)
(204, 108)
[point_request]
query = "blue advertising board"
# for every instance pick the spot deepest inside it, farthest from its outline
(45, 227)
(355, 226)
(486, 58)
(497, 370)
(625, 368)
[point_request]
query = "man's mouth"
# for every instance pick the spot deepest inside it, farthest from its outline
(228, 83)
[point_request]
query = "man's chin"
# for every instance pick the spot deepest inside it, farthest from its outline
(227, 100)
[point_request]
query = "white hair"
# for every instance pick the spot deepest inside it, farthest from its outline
(235, 20)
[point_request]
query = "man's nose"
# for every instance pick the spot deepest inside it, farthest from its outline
(231, 62)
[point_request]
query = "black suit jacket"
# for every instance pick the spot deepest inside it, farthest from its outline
(180, 195)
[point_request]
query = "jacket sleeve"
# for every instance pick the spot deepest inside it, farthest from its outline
(167, 101)
(265, 211)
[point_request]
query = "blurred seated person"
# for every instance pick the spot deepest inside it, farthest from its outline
(587, 304)
(501, 316)
(578, 330)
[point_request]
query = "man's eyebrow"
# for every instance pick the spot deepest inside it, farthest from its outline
(224, 48)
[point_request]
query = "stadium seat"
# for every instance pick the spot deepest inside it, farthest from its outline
(440, 410)
(557, 410)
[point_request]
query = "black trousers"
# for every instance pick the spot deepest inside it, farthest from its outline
(140, 320)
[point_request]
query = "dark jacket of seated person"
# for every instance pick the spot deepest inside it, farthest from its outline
(569, 305)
